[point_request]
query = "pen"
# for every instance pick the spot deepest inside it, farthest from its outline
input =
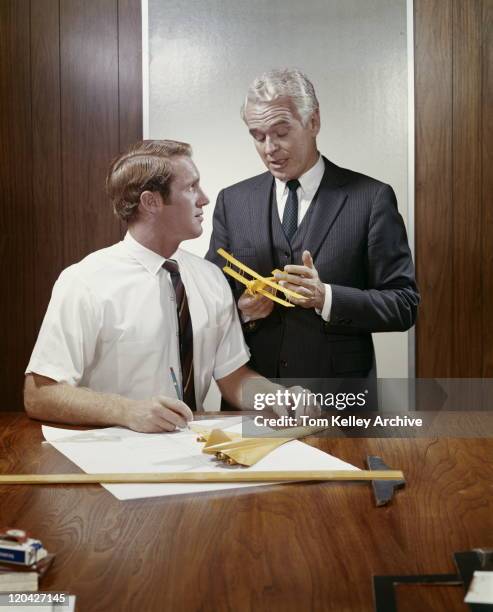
(177, 387)
(174, 380)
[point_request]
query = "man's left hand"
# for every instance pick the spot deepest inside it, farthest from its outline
(305, 281)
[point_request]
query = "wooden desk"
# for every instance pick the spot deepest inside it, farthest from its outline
(290, 547)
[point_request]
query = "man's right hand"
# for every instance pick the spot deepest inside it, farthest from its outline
(254, 307)
(157, 414)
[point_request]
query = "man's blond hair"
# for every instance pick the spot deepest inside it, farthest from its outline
(146, 166)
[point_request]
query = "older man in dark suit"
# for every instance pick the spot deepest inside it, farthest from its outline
(336, 234)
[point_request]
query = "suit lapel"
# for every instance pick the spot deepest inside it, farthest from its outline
(330, 200)
(259, 217)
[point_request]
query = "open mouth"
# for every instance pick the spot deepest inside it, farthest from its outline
(278, 165)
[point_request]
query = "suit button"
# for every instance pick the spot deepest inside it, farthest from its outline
(284, 363)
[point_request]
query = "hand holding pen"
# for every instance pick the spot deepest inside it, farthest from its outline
(157, 414)
(178, 389)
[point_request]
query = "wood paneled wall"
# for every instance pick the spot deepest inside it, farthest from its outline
(71, 99)
(453, 210)
(70, 77)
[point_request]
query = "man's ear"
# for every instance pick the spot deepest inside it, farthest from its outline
(314, 122)
(150, 201)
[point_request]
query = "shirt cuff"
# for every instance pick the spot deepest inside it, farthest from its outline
(325, 312)
(225, 369)
(244, 318)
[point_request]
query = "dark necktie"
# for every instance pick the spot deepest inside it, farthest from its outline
(185, 333)
(290, 215)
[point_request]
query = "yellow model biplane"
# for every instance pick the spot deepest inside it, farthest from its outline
(257, 283)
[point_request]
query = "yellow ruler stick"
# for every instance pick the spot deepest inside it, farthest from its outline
(234, 475)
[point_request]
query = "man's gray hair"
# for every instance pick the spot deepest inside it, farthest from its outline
(289, 82)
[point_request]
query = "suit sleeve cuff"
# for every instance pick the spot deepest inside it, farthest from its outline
(325, 312)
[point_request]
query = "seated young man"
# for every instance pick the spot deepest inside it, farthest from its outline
(135, 332)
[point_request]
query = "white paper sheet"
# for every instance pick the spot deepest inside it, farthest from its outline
(481, 589)
(116, 449)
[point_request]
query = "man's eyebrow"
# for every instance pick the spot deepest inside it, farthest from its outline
(279, 123)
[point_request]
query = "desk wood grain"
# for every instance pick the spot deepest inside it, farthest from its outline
(310, 546)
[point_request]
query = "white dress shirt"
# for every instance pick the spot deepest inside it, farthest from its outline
(112, 325)
(309, 183)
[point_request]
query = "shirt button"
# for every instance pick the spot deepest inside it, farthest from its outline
(284, 363)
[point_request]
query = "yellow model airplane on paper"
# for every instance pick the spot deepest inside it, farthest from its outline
(257, 283)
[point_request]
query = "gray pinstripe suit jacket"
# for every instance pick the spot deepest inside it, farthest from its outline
(359, 245)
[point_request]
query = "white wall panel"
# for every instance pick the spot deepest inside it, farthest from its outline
(204, 53)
